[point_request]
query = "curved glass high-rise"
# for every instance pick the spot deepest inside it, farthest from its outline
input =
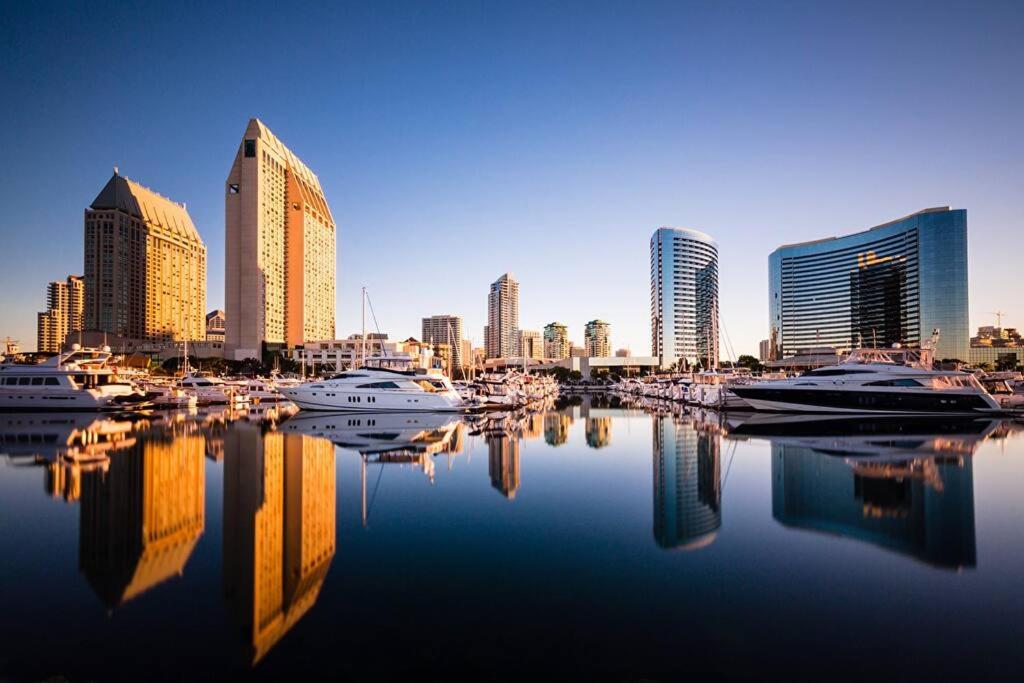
(684, 297)
(894, 283)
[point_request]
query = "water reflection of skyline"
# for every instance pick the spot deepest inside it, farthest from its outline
(279, 529)
(687, 484)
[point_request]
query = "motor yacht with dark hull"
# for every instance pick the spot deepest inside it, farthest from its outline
(871, 382)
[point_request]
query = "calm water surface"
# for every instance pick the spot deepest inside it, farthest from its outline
(585, 540)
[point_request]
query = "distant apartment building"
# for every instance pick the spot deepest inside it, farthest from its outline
(446, 329)
(577, 352)
(684, 297)
(145, 266)
(556, 341)
(280, 250)
(501, 335)
(531, 344)
(596, 339)
(622, 353)
(65, 313)
(893, 283)
(215, 326)
(764, 350)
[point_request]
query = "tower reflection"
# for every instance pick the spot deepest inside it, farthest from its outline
(140, 519)
(279, 529)
(556, 428)
(598, 431)
(687, 484)
(503, 462)
(922, 507)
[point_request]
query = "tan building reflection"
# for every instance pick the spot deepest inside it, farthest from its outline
(598, 431)
(503, 462)
(141, 518)
(556, 428)
(279, 529)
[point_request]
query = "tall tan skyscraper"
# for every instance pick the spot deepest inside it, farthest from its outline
(501, 335)
(65, 309)
(145, 266)
(280, 249)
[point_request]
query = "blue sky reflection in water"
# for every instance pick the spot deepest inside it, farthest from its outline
(585, 539)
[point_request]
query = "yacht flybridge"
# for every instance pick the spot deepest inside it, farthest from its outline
(881, 381)
(80, 379)
(377, 390)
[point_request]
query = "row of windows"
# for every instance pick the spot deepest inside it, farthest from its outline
(31, 381)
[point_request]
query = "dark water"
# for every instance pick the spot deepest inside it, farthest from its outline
(585, 541)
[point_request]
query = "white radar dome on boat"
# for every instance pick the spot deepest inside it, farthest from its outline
(76, 347)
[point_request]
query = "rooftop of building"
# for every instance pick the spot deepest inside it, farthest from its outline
(934, 209)
(702, 236)
(123, 194)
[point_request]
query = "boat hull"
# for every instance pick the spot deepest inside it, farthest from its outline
(807, 400)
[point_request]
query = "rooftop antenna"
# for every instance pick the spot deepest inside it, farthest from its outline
(116, 171)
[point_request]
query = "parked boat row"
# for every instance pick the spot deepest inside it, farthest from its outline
(894, 381)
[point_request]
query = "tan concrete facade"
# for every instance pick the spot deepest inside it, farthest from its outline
(65, 310)
(145, 266)
(280, 249)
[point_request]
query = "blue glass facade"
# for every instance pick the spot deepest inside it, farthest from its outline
(892, 283)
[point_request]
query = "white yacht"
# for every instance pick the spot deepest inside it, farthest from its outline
(80, 379)
(877, 381)
(377, 390)
(212, 390)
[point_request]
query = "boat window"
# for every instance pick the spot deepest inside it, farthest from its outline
(378, 385)
(426, 385)
(52, 382)
(835, 373)
(894, 383)
(24, 381)
(10, 380)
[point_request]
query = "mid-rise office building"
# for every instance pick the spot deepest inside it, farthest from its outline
(893, 283)
(501, 335)
(446, 329)
(280, 249)
(65, 313)
(530, 344)
(764, 350)
(556, 341)
(597, 339)
(145, 266)
(684, 297)
(215, 326)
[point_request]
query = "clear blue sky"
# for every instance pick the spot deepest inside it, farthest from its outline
(457, 141)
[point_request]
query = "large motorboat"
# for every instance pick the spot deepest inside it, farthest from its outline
(880, 381)
(80, 379)
(377, 390)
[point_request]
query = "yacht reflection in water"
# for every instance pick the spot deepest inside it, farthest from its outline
(687, 483)
(904, 485)
(279, 529)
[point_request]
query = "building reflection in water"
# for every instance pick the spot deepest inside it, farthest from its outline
(279, 529)
(141, 518)
(687, 484)
(598, 431)
(503, 462)
(922, 507)
(556, 428)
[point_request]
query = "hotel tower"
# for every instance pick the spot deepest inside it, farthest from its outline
(684, 297)
(501, 335)
(281, 245)
(145, 266)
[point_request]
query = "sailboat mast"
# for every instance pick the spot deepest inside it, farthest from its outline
(363, 350)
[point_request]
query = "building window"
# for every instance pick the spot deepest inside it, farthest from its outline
(250, 148)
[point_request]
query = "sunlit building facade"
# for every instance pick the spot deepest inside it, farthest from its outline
(501, 334)
(684, 297)
(280, 249)
(65, 313)
(530, 344)
(556, 341)
(145, 266)
(445, 329)
(597, 339)
(894, 283)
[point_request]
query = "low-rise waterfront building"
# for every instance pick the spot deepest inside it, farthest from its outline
(215, 326)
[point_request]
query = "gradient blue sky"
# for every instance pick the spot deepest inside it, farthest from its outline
(457, 141)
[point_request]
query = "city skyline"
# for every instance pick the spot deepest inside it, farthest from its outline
(671, 143)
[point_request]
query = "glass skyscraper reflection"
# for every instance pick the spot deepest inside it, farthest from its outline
(894, 283)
